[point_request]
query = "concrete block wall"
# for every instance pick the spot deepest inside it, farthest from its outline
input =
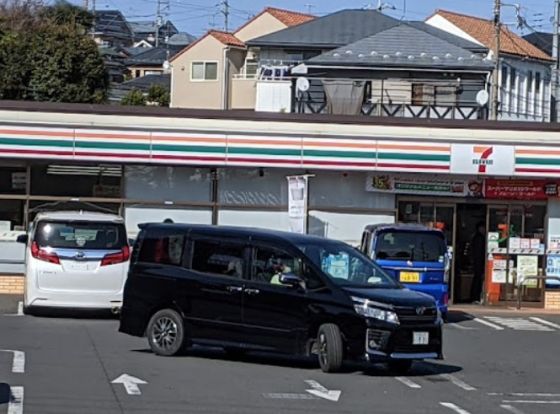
(11, 284)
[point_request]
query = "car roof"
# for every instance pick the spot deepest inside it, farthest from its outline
(234, 231)
(400, 226)
(79, 216)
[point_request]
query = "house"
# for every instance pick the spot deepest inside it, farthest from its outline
(145, 31)
(143, 84)
(111, 29)
(407, 70)
(541, 40)
(216, 72)
(151, 61)
(525, 70)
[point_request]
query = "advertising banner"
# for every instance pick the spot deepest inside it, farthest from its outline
(297, 203)
(553, 269)
(520, 189)
(409, 184)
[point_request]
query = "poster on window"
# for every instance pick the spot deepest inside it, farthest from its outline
(527, 266)
(553, 269)
(297, 203)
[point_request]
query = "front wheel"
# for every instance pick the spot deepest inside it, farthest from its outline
(330, 347)
(166, 333)
(400, 367)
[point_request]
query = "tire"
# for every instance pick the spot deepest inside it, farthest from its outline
(166, 333)
(400, 367)
(28, 311)
(330, 348)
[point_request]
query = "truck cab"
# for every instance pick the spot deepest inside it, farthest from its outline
(415, 255)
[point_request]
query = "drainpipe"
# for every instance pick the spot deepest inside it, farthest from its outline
(225, 80)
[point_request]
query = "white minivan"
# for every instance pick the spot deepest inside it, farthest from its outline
(75, 259)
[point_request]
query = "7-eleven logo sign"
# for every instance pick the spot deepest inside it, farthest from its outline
(482, 156)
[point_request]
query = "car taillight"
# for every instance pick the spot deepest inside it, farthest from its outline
(445, 298)
(44, 255)
(115, 258)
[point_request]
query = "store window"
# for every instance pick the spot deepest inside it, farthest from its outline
(13, 180)
(96, 180)
(11, 215)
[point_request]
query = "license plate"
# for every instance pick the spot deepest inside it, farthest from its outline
(420, 338)
(409, 277)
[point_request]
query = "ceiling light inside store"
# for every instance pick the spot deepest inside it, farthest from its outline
(97, 170)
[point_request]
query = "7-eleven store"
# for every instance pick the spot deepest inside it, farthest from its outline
(232, 168)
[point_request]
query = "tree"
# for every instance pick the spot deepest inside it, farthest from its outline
(46, 54)
(159, 95)
(134, 98)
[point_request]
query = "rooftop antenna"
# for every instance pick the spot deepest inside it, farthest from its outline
(309, 6)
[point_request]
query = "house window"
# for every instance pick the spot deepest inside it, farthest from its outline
(504, 76)
(251, 67)
(538, 97)
(204, 71)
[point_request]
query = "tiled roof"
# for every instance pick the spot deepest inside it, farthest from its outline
(483, 31)
(226, 38)
(289, 18)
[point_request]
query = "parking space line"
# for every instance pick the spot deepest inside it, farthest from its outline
(20, 308)
(456, 381)
(459, 326)
(15, 405)
(490, 324)
(454, 407)
(288, 396)
(545, 322)
(409, 383)
(511, 409)
(18, 361)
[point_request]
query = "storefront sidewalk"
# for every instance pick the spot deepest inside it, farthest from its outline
(507, 310)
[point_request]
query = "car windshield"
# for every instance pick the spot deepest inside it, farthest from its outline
(81, 235)
(346, 266)
(416, 246)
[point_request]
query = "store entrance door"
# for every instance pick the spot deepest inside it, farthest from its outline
(469, 217)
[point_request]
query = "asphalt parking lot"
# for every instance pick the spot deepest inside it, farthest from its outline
(494, 364)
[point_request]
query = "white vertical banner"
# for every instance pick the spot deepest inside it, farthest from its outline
(297, 203)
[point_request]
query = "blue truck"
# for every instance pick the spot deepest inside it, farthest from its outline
(415, 255)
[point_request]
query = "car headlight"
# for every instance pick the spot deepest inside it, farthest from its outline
(366, 308)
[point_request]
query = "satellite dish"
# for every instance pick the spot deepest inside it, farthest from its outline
(166, 65)
(482, 97)
(302, 84)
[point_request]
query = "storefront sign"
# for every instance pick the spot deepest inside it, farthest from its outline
(297, 203)
(406, 184)
(482, 159)
(520, 189)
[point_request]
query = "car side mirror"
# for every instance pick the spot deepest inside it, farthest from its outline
(22, 238)
(291, 279)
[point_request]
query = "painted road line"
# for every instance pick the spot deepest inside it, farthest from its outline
(545, 322)
(15, 405)
(130, 384)
(459, 326)
(518, 324)
(526, 394)
(18, 361)
(511, 409)
(409, 383)
(319, 391)
(460, 383)
(288, 396)
(531, 401)
(454, 407)
(491, 325)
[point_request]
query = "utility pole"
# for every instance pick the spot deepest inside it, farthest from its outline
(158, 21)
(495, 87)
(309, 6)
(555, 89)
(225, 12)
(86, 4)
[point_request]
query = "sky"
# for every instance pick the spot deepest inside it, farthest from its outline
(197, 16)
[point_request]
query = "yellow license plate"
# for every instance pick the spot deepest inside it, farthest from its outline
(409, 277)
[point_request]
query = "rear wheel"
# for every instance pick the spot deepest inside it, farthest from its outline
(166, 333)
(401, 366)
(330, 347)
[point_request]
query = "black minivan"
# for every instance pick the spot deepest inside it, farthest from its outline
(248, 289)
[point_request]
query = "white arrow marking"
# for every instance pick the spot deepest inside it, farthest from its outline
(454, 407)
(319, 391)
(130, 384)
(511, 409)
(18, 363)
(15, 406)
(409, 383)
(458, 382)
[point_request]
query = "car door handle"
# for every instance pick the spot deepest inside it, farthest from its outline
(234, 289)
(252, 291)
